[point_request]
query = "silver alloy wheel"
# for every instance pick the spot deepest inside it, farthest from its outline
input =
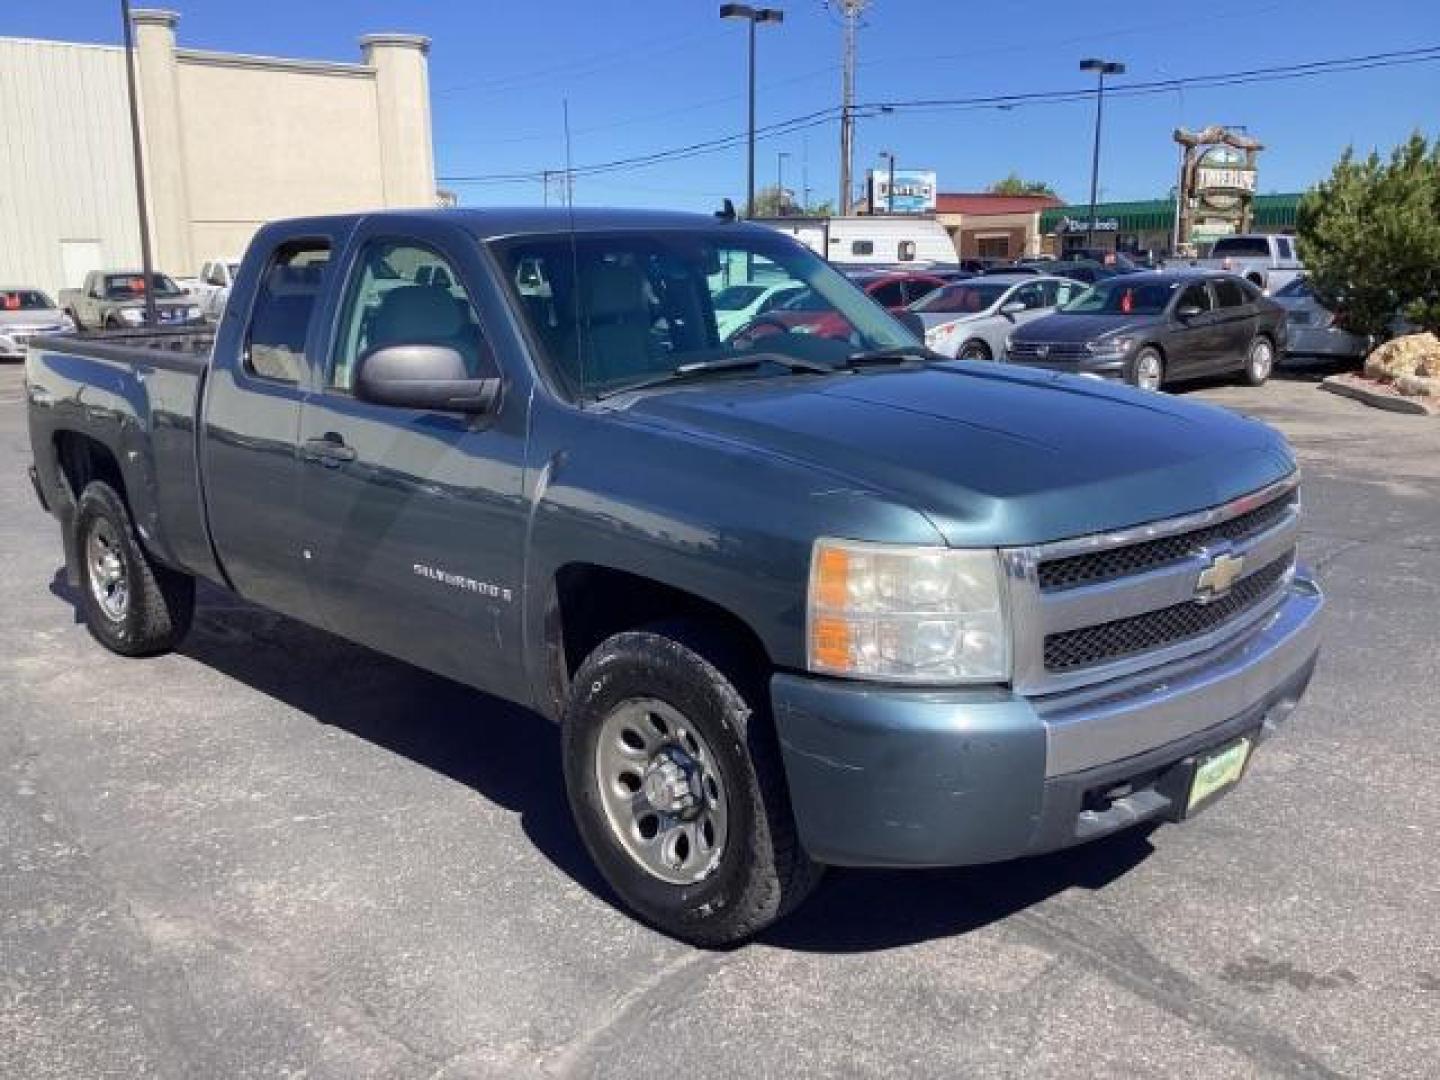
(1262, 359)
(109, 583)
(1148, 370)
(661, 787)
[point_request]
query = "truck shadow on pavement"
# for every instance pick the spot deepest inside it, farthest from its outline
(511, 757)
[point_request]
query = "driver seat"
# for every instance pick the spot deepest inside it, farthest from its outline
(616, 323)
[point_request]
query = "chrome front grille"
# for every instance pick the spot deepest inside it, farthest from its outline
(1115, 640)
(1115, 604)
(1116, 562)
(1048, 350)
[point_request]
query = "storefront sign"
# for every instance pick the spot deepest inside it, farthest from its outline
(1074, 225)
(1217, 183)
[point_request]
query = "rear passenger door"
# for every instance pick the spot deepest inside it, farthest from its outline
(257, 381)
(414, 518)
(1235, 323)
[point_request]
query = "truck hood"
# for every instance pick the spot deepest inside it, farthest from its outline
(1064, 327)
(992, 455)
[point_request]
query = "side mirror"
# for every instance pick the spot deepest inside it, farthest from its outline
(1189, 311)
(422, 377)
(1014, 307)
(913, 322)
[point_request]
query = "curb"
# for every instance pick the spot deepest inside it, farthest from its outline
(1392, 402)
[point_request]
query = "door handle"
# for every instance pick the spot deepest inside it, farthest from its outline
(329, 450)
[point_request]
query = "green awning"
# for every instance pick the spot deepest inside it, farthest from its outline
(1158, 215)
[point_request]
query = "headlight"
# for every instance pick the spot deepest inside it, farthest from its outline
(192, 312)
(1110, 345)
(131, 315)
(902, 613)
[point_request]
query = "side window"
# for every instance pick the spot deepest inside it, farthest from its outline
(1229, 294)
(1282, 244)
(404, 294)
(1195, 295)
(862, 247)
(1060, 292)
(284, 303)
(891, 294)
(1032, 296)
(917, 288)
(906, 251)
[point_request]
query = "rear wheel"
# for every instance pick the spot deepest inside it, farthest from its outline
(1147, 369)
(132, 605)
(1259, 362)
(675, 781)
(975, 350)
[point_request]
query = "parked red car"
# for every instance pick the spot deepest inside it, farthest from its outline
(893, 290)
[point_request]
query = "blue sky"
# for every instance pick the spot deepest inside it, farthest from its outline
(645, 75)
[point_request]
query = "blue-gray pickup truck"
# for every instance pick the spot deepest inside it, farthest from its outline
(795, 600)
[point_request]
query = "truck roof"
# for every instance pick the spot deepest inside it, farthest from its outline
(494, 223)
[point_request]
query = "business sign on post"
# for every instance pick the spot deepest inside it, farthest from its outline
(1217, 184)
(914, 191)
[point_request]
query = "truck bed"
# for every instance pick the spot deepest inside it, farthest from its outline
(131, 398)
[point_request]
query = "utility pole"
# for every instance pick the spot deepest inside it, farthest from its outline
(147, 266)
(780, 181)
(850, 10)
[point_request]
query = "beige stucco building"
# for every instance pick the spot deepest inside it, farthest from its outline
(230, 141)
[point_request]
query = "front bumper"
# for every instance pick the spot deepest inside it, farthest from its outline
(1104, 366)
(884, 776)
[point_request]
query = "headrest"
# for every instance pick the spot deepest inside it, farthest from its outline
(416, 313)
(613, 289)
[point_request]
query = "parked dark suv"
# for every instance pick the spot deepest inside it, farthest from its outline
(1150, 327)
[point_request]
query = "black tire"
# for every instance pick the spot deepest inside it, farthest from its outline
(159, 603)
(762, 872)
(1138, 372)
(1259, 361)
(975, 350)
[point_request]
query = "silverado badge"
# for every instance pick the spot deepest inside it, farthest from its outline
(1217, 578)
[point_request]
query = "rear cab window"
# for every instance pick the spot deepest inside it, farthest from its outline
(284, 307)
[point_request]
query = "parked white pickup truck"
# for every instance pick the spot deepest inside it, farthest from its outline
(211, 289)
(1267, 260)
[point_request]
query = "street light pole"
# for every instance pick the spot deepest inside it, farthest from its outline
(1101, 68)
(890, 182)
(752, 16)
(147, 267)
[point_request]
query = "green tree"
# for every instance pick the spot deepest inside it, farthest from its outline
(773, 202)
(1015, 184)
(1370, 237)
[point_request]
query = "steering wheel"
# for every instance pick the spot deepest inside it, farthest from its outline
(763, 327)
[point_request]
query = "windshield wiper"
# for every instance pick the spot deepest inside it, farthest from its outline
(895, 354)
(699, 369)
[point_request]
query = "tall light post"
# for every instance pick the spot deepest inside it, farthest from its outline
(752, 15)
(146, 262)
(780, 181)
(890, 182)
(1101, 69)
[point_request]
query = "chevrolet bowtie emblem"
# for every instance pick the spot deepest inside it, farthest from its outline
(1042, 350)
(1217, 578)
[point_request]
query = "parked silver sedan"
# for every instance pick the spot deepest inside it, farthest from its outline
(27, 313)
(971, 319)
(1313, 329)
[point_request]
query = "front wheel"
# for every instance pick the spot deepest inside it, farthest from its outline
(1147, 369)
(132, 605)
(1259, 362)
(975, 350)
(676, 784)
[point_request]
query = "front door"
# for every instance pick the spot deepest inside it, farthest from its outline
(415, 519)
(1197, 339)
(1235, 318)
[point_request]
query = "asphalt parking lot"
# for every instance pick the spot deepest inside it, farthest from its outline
(277, 854)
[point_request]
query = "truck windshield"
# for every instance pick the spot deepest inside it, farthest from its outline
(132, 286)
(24, 300)
(1123, 296)
(611, 311)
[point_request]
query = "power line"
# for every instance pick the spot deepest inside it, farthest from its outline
(1275, 73)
